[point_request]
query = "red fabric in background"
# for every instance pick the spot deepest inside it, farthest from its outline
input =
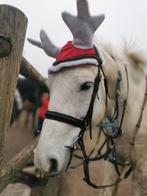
(43, 108)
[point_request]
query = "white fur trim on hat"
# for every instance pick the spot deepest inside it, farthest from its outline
(73, 63)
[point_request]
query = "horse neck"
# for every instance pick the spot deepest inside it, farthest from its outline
(132, 88)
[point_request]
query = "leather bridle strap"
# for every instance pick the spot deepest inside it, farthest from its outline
(65, 119)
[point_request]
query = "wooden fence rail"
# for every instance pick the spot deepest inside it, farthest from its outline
(13, 24)
(27, 70)
(15, 165)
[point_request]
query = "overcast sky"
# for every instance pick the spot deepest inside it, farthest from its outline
(125, 19)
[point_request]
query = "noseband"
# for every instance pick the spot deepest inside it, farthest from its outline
(85, 123)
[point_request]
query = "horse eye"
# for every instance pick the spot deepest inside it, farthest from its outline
(86, 86)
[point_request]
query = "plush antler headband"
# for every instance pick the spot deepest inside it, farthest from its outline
(80, 50)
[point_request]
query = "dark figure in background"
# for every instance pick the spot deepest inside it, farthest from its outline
(29, 97)
(29, 92)
(15, 112)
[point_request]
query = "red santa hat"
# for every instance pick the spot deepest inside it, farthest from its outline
(70, 56)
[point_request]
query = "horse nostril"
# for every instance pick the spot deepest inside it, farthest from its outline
(54, 165)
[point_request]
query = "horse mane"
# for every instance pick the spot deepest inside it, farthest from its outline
(128, 52)
(137, 57)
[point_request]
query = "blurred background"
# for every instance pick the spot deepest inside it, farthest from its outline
(125, 20)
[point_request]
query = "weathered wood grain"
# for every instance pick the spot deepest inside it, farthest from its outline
(13, 24)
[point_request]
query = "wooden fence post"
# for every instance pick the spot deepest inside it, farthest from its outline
(13, 24)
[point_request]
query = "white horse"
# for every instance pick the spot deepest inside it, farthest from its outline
(71, 89)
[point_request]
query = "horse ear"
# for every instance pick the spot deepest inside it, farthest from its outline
(50, 49)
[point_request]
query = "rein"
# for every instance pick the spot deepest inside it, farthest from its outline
(132, 143)
(110, 154)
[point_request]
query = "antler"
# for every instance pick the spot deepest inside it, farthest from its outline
(83, 25)
(45, 44)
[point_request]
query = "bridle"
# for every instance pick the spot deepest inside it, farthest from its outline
(112, 123)
(86, 122)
